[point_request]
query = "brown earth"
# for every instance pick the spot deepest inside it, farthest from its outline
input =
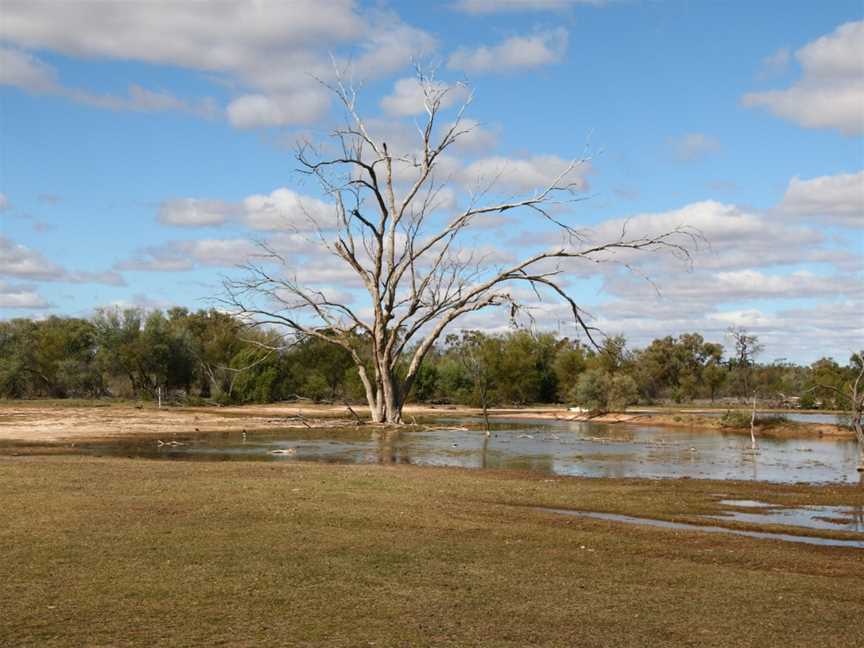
(57, 421)
(129, 553)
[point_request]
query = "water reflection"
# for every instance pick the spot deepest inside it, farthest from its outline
(543, 446)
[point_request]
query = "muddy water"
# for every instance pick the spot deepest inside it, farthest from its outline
(836, 518)
(683, 526)
(796, 417)
(543, 446)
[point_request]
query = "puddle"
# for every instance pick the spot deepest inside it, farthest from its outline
(682, 526)
(840, 518)
(548, 447)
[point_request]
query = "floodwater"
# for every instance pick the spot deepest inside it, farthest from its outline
(796, 417)
(544, 446)
(763, 535)
(838, 518)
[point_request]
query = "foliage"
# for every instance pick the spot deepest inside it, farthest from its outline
(209, 355)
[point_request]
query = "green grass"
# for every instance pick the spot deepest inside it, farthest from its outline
(114, 552)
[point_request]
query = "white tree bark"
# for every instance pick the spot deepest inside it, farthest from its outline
(418, 277)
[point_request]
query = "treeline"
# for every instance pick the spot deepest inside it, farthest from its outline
(206, 355)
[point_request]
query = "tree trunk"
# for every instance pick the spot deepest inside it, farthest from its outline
(392, 405)
(753, 445)
(859, 433)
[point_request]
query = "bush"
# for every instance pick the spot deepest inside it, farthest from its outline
(598, 391)
(735, 419)
(741, 419)
(623, 391)
(591, 390)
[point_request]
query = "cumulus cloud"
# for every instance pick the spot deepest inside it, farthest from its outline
(271, 52)
(20, 296)
(741, 285)
(229, 34)
(257, 110)
(18, 260)
(408, 97)
(693, 146)
(286, 209)
(281, 209)
(830, 92)
(736, 238)
(475, 138)
(195, 212)
(834, 200)
(515, 53)
(180, 256)
(524, 174)
(481, 7)
(786, 332)
(22, 262)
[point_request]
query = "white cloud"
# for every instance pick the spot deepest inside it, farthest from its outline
(227, 35)
(706, 288)
(257, 110)
(830, 92)
(789, 333)
(271, 52)
(735, 238)
(23, 70)
(389, 45)
(284, 209)
(408, 97)
(20, 261)
(16, 296)
(481, 7)
(474, 138)
(195, 212)
(693, 146)
(281, 209)
(179, 256)
(835, 200)
(138, 99)
(526, 174)
(515, 53)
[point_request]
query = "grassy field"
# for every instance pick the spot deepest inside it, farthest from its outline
(111, 552)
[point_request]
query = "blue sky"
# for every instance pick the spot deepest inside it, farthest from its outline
(124, 124)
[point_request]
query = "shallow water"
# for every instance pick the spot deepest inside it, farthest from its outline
(838, 518)
(543, 446)
(797, 417)
(763, 535)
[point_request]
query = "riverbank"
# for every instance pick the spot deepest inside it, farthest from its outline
(71, 421)
(150, 553)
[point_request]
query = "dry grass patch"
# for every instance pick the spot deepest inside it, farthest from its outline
(111, 552)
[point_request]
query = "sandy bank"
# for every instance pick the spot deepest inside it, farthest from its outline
(51, 422)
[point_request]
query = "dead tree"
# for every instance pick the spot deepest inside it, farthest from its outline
(419, 272)
(747, 347)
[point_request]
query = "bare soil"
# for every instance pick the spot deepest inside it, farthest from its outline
(58, 421)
